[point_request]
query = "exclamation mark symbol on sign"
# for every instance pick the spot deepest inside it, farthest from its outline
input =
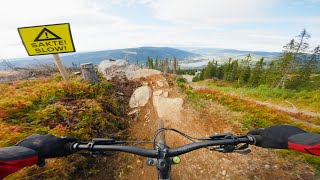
(46, 35)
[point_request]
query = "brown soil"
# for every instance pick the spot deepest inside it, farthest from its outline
(205, 164)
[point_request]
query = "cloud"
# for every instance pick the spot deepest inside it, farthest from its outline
(209, 12)
(202, 23)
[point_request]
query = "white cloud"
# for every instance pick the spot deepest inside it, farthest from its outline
(209, 12)
(191, 23)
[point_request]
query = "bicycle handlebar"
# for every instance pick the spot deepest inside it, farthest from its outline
(250, 139)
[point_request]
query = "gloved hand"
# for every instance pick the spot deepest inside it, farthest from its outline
(276, 136)
(47, 146)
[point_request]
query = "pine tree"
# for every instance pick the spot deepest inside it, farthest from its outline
(256, 74)
(304, 73)
(234, 71)
(165, 66)
(215, 74)
(151, 64)
(208, 72)
(156, 65)
(244, 71)
(201, 74)
(174, 65)
(220, 74)
(271, 74)
(147, 63)
(227, 70)
(290, 54)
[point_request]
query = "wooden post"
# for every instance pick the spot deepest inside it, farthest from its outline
(60, 66)
(88, 73)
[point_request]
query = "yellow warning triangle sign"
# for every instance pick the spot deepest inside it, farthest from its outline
(46, 35)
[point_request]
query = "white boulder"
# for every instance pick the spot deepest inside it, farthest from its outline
(140, 97)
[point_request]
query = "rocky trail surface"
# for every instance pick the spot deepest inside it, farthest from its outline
(157, 97)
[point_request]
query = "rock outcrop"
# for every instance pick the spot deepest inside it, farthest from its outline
(166, 107)
(122, 69)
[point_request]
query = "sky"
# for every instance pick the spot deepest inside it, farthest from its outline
(261, 25)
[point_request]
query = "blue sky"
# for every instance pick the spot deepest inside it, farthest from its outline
(265, 25)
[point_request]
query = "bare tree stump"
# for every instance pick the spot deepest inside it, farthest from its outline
(88, 73)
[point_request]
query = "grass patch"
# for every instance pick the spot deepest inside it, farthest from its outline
(302, 99)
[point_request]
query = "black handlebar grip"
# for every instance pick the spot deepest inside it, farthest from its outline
(257, 139)
(69, 147)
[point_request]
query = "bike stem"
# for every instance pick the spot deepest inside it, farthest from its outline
(163, 162)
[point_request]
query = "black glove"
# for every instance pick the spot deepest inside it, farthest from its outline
(47, 146)
(276, 136)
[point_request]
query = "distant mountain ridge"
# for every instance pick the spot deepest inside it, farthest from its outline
(210, 51)
(133, 55)
(140, 55)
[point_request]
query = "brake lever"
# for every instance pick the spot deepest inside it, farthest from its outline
(232, 149)
(223, 149)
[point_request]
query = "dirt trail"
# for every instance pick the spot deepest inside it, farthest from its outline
(203, 164)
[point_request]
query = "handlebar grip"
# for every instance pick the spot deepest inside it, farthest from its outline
(257, 139)
(69, 147)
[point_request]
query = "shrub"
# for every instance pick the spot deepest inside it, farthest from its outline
(181, 79)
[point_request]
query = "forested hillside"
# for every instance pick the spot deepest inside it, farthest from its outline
(296, 68)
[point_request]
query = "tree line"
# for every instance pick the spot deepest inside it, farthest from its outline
(293, 69)
(166, 65)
